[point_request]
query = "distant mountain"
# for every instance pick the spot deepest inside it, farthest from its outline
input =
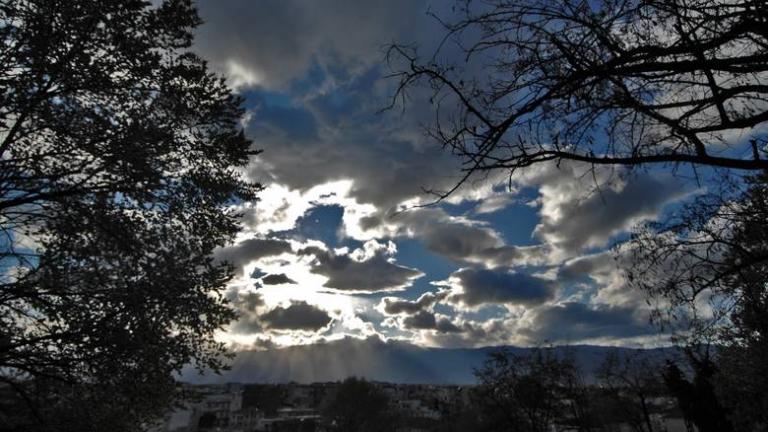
(377, 360)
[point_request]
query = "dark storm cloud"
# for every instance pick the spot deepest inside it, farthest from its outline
(249, 250)
(297, 316)
(372, 274)
(277, 279)
(574, 321)
(317, 72)
(473, 287)
(388, 163)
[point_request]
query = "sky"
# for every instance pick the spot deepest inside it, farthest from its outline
(343, 242)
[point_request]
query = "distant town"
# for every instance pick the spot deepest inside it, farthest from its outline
(311, 407)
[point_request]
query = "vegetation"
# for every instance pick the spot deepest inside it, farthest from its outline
(707, 267)
(609, 82)
(625, 83)
(359, 405)
(118, 167)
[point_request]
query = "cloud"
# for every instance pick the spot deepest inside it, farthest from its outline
(465, 243)
(271, 42)
(459, 239)
(249, 301)
(251, 250)
(579, 211)
(248, 305)
(574, 321)
(367, 270)
(298, 316)
(444, 325)
(313, 94)
(277, 279)
(418, 315)
(607, 271)
(394, 305)
(424, 320)
(474, 287)
(490, 332)
(420, 320)
(494, 203)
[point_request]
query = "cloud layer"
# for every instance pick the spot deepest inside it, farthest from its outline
(464, 271)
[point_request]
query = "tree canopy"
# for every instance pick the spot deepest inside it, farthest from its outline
(120, 157)
(360, 405)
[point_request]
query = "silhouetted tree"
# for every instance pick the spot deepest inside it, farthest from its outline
(267, 398)
(618, 82)
(531, 393)
(360, 406)
(706, 268)
(697, 397)
(207, 421)
(119, 157)
(461, 417)
(743, 340)
(631, 382)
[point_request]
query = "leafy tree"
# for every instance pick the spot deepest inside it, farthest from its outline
(360, 406)
(618, 82)
(119, 156)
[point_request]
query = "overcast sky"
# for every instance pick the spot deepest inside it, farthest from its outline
(326, 254)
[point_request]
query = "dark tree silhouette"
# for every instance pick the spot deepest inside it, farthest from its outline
(118, 167)
(707, 268)
(744, 341)
(631, 382)
(267, 398)
(360, 406)
(711, 252)
(697, 397)
(207, 421)
(532, 393)
(619, 82)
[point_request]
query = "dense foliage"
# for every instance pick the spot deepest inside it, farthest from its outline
(119, 156)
